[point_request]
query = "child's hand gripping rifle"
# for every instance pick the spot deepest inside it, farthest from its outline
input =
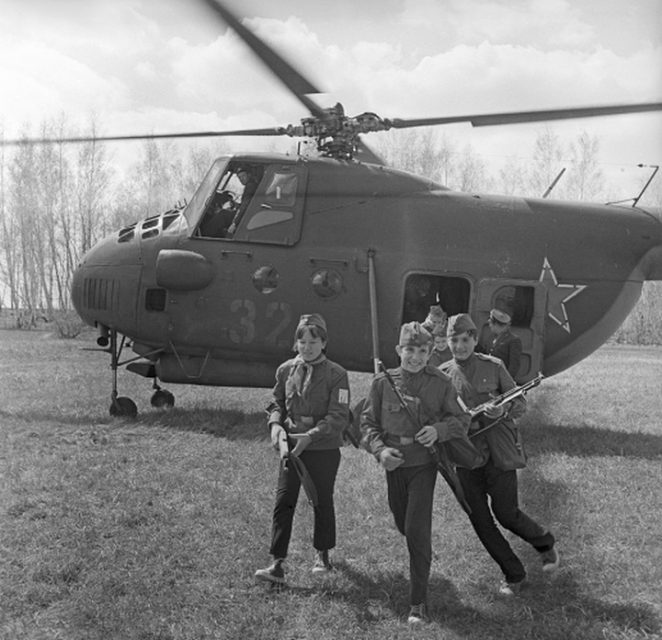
(438, 453)
(290, 462)
(499, 401)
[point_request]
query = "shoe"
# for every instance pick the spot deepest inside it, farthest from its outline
(273, 573)
(510, 589)
(322, 564)
(417, 614)
(550, 560)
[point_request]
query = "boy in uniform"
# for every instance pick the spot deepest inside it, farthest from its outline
(477, 378)
(402, 447)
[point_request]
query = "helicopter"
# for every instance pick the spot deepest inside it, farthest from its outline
(210, 293)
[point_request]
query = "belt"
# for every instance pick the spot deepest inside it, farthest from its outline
(400, 439)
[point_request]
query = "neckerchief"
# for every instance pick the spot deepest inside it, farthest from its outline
(302, 373)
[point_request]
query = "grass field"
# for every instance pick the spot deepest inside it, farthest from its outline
(152, 529)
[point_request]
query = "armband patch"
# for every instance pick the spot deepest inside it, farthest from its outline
(343, 396)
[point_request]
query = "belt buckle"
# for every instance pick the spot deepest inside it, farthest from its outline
(406, 439)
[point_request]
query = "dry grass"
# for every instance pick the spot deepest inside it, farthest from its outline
(152, 529)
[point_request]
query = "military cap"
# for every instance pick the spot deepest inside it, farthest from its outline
(500, 316)
(414, 334)
(459, 324)
(312, 320)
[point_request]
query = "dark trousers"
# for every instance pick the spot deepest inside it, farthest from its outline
(322, 467)
(410, 496)
(501, 487)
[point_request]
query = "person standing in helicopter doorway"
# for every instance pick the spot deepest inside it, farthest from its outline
(402, 447)
(502, 342)
(310, 409)
(491, 489)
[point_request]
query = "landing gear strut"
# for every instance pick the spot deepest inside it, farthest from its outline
(120, 406)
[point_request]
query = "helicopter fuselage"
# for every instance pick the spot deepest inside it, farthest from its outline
(221, 310)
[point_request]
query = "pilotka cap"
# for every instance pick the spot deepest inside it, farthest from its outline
(500, 316)
(460, 323)
(414, 334)
(312, 320)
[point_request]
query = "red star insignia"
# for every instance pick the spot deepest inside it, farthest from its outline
(558, 295)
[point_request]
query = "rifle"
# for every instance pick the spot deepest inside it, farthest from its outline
(499, 401)
(293, 462)
(438, 453)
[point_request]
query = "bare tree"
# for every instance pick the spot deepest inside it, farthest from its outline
(585, 181)
(547, 162)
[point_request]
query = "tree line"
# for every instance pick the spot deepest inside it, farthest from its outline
(58, 200)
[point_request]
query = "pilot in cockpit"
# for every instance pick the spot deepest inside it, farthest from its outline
(230, 202)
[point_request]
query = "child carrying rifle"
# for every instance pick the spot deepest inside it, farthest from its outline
(309, 412)
(402, 446)
(477, 378)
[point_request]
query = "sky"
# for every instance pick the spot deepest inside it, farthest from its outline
(157, 66)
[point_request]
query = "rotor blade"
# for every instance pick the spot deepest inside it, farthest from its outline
(515, 117)
(273, 131)
(288, 75)
(365, 154)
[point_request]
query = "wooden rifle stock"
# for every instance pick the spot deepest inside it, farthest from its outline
(290, 462)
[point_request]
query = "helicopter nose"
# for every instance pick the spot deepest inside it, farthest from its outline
(105, 285)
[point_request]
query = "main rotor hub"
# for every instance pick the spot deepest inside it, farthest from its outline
(337, 134)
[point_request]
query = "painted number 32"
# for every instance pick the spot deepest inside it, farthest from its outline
(277, 317)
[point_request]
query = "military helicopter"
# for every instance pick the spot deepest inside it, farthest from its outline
(210, 293)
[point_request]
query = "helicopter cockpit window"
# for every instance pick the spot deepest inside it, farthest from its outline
(279, 199)
(227, 205)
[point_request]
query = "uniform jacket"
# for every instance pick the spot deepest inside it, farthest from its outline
(438, 357)
(433, 400)
(476, 380)
(322, 412)
(507, 347)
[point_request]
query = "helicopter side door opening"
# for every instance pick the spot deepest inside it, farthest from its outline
(423, 290)
(525, 303)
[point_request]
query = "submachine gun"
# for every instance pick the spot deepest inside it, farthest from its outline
(479, 410)
(439, 455)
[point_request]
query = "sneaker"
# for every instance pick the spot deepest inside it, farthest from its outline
(550, 560)
(322, 564)
(417, 614)
(510, 589)
(273, 573)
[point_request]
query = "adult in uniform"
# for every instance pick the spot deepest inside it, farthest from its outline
(502, 342)
(402, 447)
(477, 378)
(310, 407)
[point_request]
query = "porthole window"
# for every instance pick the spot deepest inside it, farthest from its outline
(327, 283)
(265, 279)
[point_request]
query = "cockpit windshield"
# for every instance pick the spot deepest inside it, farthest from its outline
(195, 208)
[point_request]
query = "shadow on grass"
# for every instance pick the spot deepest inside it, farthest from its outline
(543, 610)
(582, 441)
(223, 423)
(231, 424)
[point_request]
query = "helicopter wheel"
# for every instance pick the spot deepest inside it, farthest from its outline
(123, 408)
(162, 399)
